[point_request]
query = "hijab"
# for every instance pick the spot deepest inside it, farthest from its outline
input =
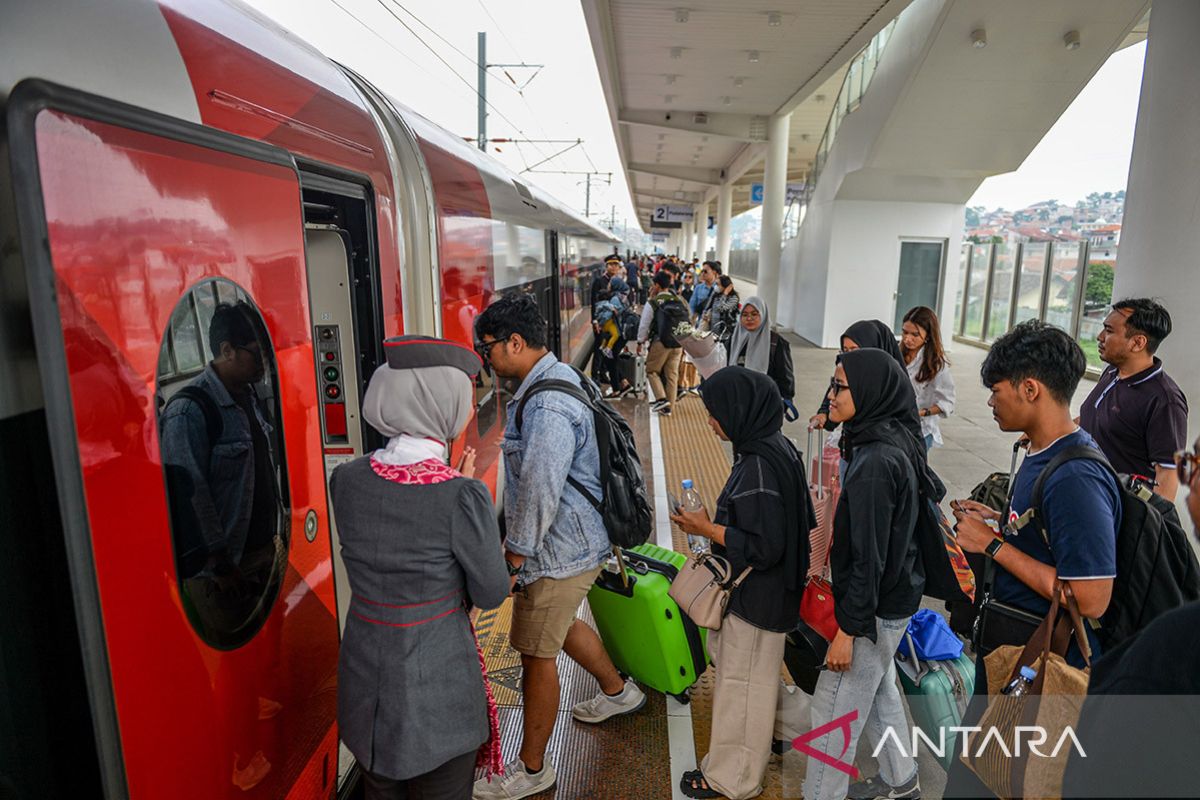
(885, 409)
(757, 345)
(746, 404)
(420, 410)
(873, 333)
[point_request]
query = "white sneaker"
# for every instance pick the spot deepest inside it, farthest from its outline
(515, 783)
(601, 707)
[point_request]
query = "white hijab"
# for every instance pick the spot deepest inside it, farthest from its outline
(420, 411)
(757, 344)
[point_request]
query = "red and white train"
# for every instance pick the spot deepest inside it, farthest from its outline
(160, 158)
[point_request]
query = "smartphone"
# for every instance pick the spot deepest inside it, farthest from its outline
(676, 506)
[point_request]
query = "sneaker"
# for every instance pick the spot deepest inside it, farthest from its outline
(876, 788)
(602, 706)
(657, 404)
(664, 410)
(515, 783)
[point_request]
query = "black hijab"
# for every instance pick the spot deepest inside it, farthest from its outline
(747, 405)
(873, 333)
(885, 409)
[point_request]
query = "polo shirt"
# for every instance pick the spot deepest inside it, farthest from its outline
(1139, 422)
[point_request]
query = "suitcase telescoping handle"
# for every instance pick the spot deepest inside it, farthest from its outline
(820, 455)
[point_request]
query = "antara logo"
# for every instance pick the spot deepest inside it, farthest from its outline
(1033, 737)
(842, 724)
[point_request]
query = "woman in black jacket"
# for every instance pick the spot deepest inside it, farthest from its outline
(877, 573)
(755, 346)
(762, 522)
(864, 333)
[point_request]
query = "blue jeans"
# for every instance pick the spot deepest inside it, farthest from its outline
(869, 687)
(928, 442)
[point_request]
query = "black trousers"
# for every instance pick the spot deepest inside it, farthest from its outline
(451, 781)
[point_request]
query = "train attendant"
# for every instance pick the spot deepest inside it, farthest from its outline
(762, 522)
(421, 545)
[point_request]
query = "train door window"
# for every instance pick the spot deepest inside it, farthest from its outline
(223, 461)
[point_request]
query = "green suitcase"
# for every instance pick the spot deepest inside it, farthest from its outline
(644, 632)
(937, 701)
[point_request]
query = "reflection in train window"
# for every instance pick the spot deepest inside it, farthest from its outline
(221, 441)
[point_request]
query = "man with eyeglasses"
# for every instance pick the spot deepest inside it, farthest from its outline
(556, 540)
(215, 438)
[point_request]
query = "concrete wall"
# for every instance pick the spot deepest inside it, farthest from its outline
(1162, 211)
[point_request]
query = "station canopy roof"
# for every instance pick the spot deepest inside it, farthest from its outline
(690, 85)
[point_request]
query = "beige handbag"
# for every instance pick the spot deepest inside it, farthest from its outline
(702, 589)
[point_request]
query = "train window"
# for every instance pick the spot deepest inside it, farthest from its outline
(221, 441)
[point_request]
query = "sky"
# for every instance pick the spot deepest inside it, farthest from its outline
(1087, 150)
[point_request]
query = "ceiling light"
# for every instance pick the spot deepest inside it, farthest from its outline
(726, 100)
(774, 19)
(753, 56)
(704, 138)
(661, 146)
(1071, 40)
(804, 137)
(979, 38)
(671, 79)
(670, 98)
(681, 15)
(738, 82)
(820, 98)
(676, 53)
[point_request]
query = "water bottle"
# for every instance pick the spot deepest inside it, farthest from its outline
(1021, 684)
(691, 502)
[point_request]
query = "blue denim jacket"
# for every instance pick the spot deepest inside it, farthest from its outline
(221, 472)
(549, 522)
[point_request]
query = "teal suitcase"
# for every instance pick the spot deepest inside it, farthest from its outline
(937, 700)
(644, 632)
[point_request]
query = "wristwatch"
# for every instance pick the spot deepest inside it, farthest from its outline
(994, 547)
(513, 569)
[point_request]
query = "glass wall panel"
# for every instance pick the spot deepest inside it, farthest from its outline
(1064, 285)
(981, 256)
(1031, 281)
(1000, 302)
(1097, 298)
(963, 265)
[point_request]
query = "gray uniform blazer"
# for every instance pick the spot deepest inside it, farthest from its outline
(410, 691)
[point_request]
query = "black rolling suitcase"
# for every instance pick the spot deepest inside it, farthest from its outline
(632, 368)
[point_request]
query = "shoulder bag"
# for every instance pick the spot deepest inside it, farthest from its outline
(703, 588)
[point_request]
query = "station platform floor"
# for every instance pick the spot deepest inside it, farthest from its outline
(642, 755)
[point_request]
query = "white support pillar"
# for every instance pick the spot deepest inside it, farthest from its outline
(1157, 255)
(774, 194)
(702, 231)
(689, 237)
(724, 214)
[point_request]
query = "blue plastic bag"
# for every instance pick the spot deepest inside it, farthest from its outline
(931, 636)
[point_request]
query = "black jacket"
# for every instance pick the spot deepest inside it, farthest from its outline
(779, 368)
(752, 511)
(875, 560)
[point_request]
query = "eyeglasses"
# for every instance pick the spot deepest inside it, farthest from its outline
(484, 349)
(1187, 463)
(257, 353)
(750, 312)
(837, 387)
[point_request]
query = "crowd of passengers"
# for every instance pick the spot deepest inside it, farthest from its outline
(420, 536)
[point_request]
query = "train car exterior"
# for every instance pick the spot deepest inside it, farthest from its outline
(167, 169)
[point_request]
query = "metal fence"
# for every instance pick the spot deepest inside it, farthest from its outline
(743, 264)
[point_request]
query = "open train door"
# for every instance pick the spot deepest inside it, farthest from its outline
(166, 272)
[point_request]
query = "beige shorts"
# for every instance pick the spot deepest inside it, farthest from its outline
(544, 611)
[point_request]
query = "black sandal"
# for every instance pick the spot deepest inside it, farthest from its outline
(689, 784)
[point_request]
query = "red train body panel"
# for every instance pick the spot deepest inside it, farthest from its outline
(127, 201)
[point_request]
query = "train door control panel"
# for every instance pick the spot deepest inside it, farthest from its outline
(332, 383)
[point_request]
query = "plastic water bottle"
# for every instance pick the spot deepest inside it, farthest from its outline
(1021, 684)
(691, 502)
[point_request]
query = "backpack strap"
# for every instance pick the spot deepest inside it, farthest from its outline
(213, 423)
(1077, 452)
(583, 396)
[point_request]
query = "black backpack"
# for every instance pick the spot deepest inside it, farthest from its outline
(624, 507)
(669, 315)
(1157, 569)
(627, 324)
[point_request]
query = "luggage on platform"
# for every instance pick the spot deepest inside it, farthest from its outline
(937, 693)
(826, 488)
(646, 635)
(632, 367)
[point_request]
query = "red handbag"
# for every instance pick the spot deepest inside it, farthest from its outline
(816, 608)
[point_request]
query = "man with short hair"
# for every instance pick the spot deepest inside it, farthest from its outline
(1136, 413)
(1032, 372)
(662, 362)
(703, 290)
(556, 540)
(600, 292)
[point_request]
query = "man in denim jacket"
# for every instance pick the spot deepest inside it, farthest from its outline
(556, 540)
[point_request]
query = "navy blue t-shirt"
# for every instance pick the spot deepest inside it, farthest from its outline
(1081, 507)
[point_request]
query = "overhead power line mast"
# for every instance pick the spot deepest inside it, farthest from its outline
(481, 72)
